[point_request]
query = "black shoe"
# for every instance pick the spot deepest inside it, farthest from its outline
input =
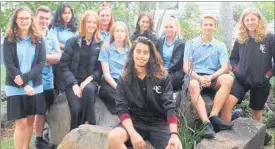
(208, 131)
(40, 143)
(267, 139)
(219, 124)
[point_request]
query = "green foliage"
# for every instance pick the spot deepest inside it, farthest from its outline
(7, 143)
(269, 119)
(237, 12)
(190, 136)
(121, 12)
(190, 21)
(267, 9)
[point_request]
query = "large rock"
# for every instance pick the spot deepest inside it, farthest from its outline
(186, 110)
(59, 118)
(246, 134)
(103, 116)
(88, 137)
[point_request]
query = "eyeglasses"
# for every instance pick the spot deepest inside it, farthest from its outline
(21, 19)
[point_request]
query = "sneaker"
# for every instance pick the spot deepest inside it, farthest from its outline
(208, 131)
(267, 139)
(40, 143)
(219, 124)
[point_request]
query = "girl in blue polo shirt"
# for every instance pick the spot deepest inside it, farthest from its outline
(106, 21)
(171, 48)
(24, 58)
(113, 60)
(64, 25)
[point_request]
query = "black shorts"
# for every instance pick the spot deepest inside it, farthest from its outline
(157, 135)
(49, 97)
(20, 106)
(258, 95)
(212, 85)
(211, 90)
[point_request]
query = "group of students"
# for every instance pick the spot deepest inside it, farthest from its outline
(137, 74)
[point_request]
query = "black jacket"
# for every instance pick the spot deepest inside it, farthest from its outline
(176, 64)
(12, 63)
(251, 62)
(158, 106)
(70, 60)
(149, 34)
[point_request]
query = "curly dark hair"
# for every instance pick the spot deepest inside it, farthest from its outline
(58, 20)
(154, 66)
(12, 29)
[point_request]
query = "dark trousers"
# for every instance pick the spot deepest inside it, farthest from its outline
(57, 76)
(107, 94)
(176, 80)
(82, 109)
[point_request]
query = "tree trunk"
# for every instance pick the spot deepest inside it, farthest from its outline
(226, 22)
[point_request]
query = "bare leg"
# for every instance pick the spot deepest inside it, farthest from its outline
(117, 137)
(28, 131)
(197, 101)
(224, 84)
(257, 115)
(20, 126)
(39, 124)
(227, 108)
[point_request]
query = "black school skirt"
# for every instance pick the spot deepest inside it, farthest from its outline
(20, 106)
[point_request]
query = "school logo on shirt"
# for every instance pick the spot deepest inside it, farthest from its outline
(157, 89)
(214, 52)
(262, 48)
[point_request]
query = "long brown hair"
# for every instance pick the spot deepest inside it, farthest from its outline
(151, 22)
(261, 30)
(82, 27)
(13, 32)
(154, 66)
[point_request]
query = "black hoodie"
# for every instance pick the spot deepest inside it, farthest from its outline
(252, 62)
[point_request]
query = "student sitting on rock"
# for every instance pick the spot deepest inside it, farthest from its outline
(113, 59)
(206, 66)
(81, 70)
(144, 102)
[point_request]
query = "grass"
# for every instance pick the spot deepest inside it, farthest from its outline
(7, 143)
(190, 137)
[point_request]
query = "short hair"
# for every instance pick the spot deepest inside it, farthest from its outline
(43, 8)
(209, 17)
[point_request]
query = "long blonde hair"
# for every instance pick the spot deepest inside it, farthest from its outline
(82, 27)
(127, 41)
(261, 30)
(13, 32)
